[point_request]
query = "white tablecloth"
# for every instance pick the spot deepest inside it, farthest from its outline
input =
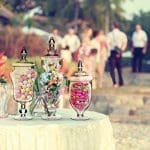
(65, 134)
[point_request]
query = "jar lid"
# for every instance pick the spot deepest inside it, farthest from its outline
(51, 51)
(51, 58)
(52, 55)
(19, 64)
(23, 62)
(81, 75)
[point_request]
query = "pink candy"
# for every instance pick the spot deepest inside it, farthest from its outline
(79, 95)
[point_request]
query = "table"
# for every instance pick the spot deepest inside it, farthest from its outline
(65, 134)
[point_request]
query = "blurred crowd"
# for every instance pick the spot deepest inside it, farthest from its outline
(95, 48)
(89, 46)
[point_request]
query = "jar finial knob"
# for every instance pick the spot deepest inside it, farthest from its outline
(51, 50)
(80, 66)
(23, 54)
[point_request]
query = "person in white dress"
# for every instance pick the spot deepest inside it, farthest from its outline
(94, 59)
(71, 42)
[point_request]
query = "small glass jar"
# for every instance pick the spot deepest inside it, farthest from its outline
(80, 92)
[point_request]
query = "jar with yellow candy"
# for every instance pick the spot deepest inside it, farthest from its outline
(23, 77)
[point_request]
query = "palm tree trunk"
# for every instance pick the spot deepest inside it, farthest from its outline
(76, 14)
(107, 15)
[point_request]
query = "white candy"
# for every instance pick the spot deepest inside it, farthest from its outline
(29, 75)
(29, 97)
(25, 82)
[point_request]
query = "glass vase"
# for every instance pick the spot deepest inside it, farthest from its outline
(80, 92)
(80, 97)
(50, 83)
(23, 78)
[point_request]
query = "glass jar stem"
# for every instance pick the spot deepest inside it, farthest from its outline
(80, 114)
(23, 110)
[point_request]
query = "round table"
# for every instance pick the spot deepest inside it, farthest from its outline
(65, 134)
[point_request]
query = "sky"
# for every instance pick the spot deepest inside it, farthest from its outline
(133, 6)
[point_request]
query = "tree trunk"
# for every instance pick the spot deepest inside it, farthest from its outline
(76, 15)
(107, 16)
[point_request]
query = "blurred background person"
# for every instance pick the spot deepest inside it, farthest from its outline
(84, 50)
(117, 43)
(71, 42)
(93, 59)
(68, 66)
(102, 56)
(139, 48)
(86, 34)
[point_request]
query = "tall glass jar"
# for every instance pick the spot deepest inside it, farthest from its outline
(23, 78)
(80, 92)
(50, 81)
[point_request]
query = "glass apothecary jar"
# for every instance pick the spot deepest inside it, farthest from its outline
(50, 81)
(23, 77)
(80, 92)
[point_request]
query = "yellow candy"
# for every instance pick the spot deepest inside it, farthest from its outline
(24, 87)
(30, 81)
(31, 93)
(23, 97)
(27, 89)
(22, 90)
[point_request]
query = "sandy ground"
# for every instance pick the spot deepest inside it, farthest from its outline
(131, 136)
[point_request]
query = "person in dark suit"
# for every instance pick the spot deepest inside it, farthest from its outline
(139, 48)
(117, 43)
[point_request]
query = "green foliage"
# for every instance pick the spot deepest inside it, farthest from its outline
(100, 13)
(15, 21)
(29, 22)
(93, 10)
(39, 71)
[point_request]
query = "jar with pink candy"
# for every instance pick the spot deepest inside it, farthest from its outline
(23, 77)
(80, 92)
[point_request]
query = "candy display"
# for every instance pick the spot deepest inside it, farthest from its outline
(24, 88)
(23, 77)
(80, 92)
(51, 80)
(51, 83)
(79, 98)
